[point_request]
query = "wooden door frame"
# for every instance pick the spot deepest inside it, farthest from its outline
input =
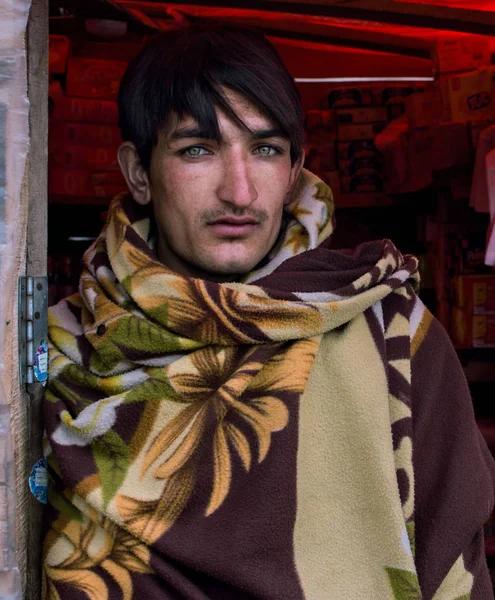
(36, 259)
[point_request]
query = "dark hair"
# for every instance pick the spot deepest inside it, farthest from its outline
(181, 72)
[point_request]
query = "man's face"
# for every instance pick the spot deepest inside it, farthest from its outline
(218, 205)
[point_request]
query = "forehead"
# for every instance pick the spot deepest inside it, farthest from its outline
(245, 109)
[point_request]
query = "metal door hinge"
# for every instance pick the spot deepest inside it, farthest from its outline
(33, 329)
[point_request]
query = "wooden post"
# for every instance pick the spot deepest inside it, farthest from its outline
(37, 233)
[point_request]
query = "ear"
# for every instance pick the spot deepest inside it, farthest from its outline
(136, 177)
(295, 171)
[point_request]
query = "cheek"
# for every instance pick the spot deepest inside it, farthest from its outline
(274, 178)
(178, 201)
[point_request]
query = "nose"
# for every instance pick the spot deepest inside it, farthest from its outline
(237, 186)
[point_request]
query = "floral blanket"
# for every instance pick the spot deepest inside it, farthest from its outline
(238, 440)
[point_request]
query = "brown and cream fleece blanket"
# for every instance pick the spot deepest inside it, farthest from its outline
(305, 434)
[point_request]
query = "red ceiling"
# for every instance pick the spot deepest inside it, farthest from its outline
(488, 5)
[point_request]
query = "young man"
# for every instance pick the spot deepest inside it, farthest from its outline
(234, 410)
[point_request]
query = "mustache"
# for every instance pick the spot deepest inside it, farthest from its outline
(213, 215)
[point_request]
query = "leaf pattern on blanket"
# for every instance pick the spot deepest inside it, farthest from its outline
(405, 584)
(212, 382)
(74, 548)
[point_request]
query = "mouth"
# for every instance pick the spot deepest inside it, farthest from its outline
(232, 227)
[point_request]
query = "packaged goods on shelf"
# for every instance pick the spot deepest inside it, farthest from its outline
(350, 96)
(470, 96)
(482, 194)
(83, 157)
(484, 331)
(365, 114)
(475, 294)
(85, 134)
(390, 143)
(394, 97)
(67, 108)
(321, 158)
(407, 155)
(411, 156)
(58, 55)
(355, 149)
(365, 165)
(361, 131)
(472, 331)
(471, 253)
(393, 94)
(461, 53)
(77, 182)
(361, 184)
(74, 182)
(92, 78)
(320, 123)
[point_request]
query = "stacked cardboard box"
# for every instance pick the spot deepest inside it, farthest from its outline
(321, 133)
(59, 50)
(461, 53)
(341, 139)
(83, 131)
(359, 165)
(469, 96)
(473, 316)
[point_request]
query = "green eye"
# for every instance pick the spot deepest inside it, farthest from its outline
(195, 151)
(266, 150)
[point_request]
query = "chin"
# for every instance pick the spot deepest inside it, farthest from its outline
(228, 270)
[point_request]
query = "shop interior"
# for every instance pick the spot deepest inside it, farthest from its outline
(399, 108)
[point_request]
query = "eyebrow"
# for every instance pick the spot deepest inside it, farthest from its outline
(261, 134)
(190, 132)
(199, 133)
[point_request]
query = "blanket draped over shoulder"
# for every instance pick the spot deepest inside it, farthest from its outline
(249, 440)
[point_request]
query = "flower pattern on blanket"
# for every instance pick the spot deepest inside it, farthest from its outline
(78, 544)
(251, 395)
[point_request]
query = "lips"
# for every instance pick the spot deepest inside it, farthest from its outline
(235, 221)
(234, 227)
